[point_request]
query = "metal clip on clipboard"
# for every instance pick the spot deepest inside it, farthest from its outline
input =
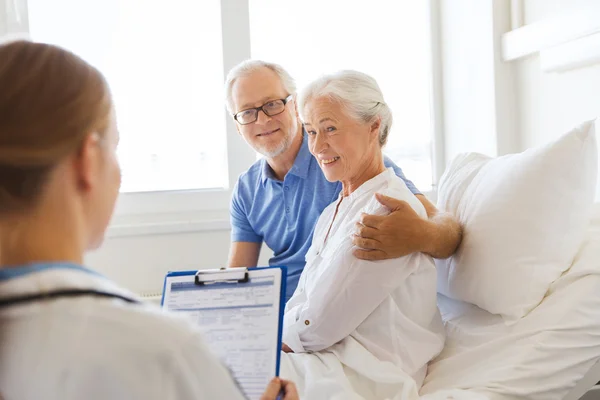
(221, 275)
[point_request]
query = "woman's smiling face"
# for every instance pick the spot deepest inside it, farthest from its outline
(343, 146)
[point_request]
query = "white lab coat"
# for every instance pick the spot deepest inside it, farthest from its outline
(97, 348)
(361, 329)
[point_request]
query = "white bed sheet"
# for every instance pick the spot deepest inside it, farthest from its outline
(540, 357)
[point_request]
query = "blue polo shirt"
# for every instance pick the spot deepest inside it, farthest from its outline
(283, 214)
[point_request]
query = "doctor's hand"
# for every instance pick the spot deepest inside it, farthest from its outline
(279, 386)
(398, 234)
(285, 348)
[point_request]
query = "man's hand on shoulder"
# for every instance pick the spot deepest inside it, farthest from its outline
(404, 232)
(398, 234)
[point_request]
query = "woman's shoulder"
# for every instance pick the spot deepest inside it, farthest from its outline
(395, 188)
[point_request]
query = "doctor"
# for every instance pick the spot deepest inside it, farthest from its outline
(280, 198)
(65, 331)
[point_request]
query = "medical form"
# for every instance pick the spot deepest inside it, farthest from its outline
(240, 318)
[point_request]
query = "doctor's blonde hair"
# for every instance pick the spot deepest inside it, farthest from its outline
(357, 92)
(50, 100)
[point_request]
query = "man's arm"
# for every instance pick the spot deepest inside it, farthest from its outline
(403, 232)
(446, 232)
(244, 254)
(245, 242)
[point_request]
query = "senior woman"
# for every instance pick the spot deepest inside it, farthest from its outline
(355, 328)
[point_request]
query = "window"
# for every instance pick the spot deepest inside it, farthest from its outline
(164, 63)
(388, 40)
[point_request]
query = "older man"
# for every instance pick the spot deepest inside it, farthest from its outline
(279, 199)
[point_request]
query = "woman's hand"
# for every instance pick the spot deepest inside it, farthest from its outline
(285, 348)
(279, 386)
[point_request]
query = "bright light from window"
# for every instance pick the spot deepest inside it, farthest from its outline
(164, 63)
(386, 39)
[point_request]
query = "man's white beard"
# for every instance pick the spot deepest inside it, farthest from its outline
(277, 151)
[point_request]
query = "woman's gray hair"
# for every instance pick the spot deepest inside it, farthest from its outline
(357, 92)
(246, 68)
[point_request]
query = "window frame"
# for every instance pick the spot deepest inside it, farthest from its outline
(163, 212)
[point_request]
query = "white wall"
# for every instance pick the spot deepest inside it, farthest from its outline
(138, 251)
(467, 70)
(138, 256)
(498, 107)
(479, 93)
(552, 103)
(140, 262)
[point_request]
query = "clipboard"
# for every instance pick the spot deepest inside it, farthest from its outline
(240, 312)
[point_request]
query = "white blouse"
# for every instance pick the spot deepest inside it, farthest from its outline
(387, 308)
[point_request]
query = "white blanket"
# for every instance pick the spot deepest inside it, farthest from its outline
(324, 376)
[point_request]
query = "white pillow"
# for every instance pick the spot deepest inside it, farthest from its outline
(524, 218)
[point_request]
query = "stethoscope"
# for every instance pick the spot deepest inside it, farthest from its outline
(71, 293)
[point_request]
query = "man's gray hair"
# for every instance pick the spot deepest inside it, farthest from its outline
(246, 68)
(357, 92)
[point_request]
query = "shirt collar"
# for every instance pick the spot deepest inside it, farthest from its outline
(266, 171)
(371, 184)
(19, 271)
(301, 163)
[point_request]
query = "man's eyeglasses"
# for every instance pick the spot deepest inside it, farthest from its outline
(271, 108)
